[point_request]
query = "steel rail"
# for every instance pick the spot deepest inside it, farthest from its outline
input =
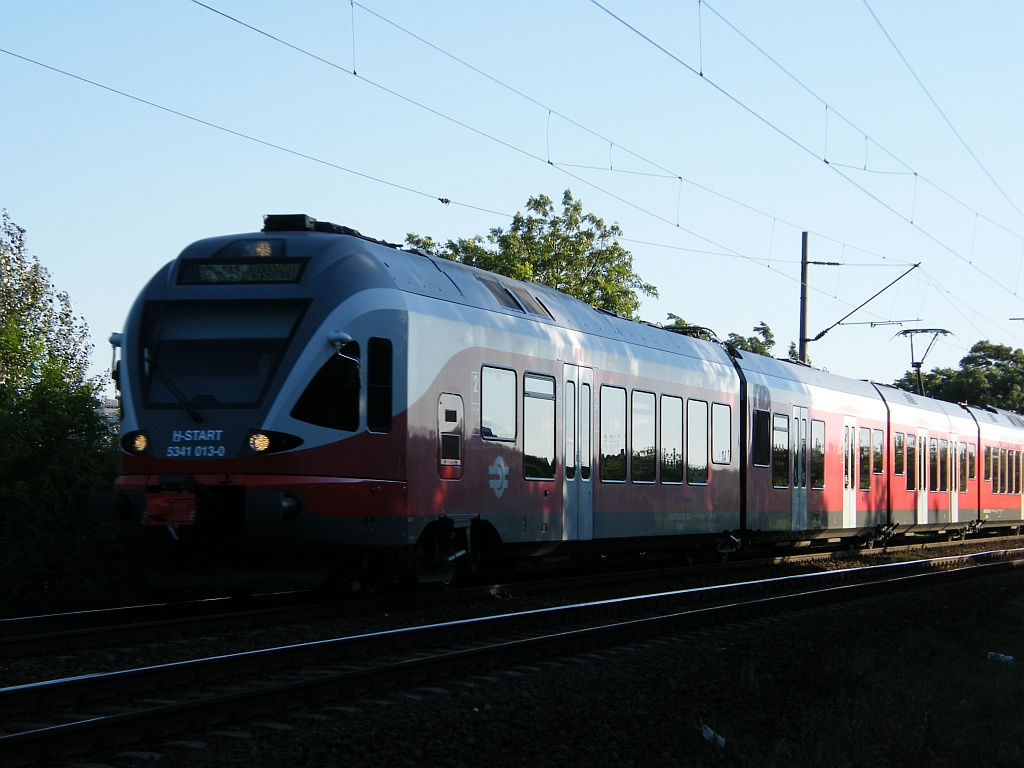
(27, 747)
(22, 636)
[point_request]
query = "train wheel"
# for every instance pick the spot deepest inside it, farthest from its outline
(435, 556)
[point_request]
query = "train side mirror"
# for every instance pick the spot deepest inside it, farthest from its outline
(116, 341)
(348, 350)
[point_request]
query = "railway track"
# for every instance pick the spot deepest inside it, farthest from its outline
(68, 632)
(50, 719)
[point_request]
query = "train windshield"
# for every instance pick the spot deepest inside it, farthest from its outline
(206, 355)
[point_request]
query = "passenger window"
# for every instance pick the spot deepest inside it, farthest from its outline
(613, 434)
(538, 427)
(762, 439)
(800, 452)
(897, 454)
(865, 459)
(878, 452)
(721, 433)
(943, 465)
(585, 431)
(497, 404)
(933, 463)
(378, 385)
(963, 467)
(331, 399)
(643, 438)
(569, 429)
(696, 442)
(847, 459)
(780, 450)
(817, 454)
(911, 462)
(671, 439)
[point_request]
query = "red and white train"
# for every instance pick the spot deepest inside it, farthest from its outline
(304, 403)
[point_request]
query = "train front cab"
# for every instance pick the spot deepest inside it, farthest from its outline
(310, 468)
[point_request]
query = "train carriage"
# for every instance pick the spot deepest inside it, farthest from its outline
(918, 427)
(815, 459)
(1000, 484)
(305, 403)
(558, 435)
(954, 497)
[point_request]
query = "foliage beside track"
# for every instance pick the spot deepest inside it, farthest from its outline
(573, 252)
(989, 375)
(55, 446)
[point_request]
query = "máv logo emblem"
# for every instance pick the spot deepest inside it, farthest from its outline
(499, 476)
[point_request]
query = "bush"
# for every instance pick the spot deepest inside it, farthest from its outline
(55, 448)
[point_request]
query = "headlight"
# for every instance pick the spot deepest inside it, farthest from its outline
(135, 443)
(264, 441)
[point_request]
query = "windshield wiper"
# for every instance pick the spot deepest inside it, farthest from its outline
(172, 387)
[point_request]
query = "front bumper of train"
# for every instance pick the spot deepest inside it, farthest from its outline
(240, 531)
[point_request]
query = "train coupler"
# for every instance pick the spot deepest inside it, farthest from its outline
(169, 508)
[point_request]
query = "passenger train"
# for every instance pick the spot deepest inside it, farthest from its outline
(306, 403)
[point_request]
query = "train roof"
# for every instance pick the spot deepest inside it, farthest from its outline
(757, 367)
(999, 416)
(413, 271)
(897, 397)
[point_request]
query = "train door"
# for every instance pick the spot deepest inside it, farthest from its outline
(850, 473)
(798, 437)
(577, 453)
(1019, 507)
(1016, 461)
(922, 477)
(954, 478)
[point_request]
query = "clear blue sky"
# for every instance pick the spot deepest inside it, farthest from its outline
(892, 131)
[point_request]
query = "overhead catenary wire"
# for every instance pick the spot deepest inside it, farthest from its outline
(668, 172)
(550, 112)
(792, 139)
(939, 110)
(241, 134)
(308, 156)
(867, 137)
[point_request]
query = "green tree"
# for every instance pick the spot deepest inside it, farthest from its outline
(989, 374)
(678, 325)
(794, 353)
(574, 252)
(39, 332)
(55, 445)
(761, 343)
